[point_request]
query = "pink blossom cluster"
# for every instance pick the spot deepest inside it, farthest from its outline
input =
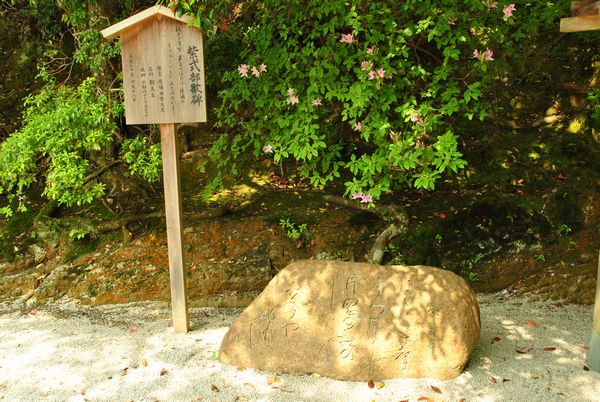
(364, 198)
(487, 55)
(357, 126)
(256, 71)
(367, 67)
(268, 149)
(508, 10)
(347, 38)
(292, 97)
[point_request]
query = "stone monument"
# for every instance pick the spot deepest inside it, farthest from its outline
(358, 321)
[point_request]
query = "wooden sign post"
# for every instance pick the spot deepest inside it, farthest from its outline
(163, 79)
(586, 17)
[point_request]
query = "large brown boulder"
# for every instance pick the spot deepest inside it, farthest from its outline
(356, 321)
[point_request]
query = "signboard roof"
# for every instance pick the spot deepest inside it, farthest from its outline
(115, 30)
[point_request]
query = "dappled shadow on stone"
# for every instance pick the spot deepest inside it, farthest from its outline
(357, 321)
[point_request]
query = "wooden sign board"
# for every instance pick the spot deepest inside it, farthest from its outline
(163, 79)
(586, 17)
(163, 68)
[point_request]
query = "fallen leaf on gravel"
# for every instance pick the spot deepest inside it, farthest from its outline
(461, 400)
(133, 330)
(521, 352)
(214, 388)
(425, 398)
(109, 325)
(242, 399)
(200, 398)
(163, 372)
(586, 368)
(549, 349)
(273, 380)
(124, 371)
(83, 391)
(531, 323)
(436, 389)
(145, 363)
(559, 305)
(493, 380)
(371, 384)
(496, 339)
(404, 400)
(380, 385)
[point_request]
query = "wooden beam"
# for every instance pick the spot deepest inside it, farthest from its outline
(580, 24)
(114, 30)
(578, 5)
(590, 9)
(168, 137)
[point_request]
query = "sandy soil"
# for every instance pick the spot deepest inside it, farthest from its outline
(69, 352)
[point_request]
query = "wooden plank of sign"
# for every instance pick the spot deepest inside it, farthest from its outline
(163, 72)
(589, 9)
(580, 24)
(174, 227)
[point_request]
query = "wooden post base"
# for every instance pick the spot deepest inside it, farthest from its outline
(173, 212)
(594, 352)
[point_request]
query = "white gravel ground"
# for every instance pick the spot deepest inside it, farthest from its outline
(69, 352)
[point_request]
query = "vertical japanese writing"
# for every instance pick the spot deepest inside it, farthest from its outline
(195, 75)
(144, 89)
(345, 338)
(180, 61)
(161, 88)
(151, 82)
(171, 78)
(291, 326)
(377, 308)
(132, 86)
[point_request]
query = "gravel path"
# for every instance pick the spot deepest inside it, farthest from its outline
(68, 352)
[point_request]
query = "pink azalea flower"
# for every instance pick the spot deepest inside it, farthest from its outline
(243, 70)
(381, 73)
(414, 117)
(347, 38)
(268, 149)
(442, 216)
(366, 65)
(291, 92)
(508, 10)
(357, 126)
(356, 196)
(263, 68)
(366, 198)
(370, 50)
(293, 100)
(372, 75)
(316, 102)
(255, 71)
(488, 55)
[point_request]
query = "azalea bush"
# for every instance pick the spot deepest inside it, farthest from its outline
(62, 127)
(373, 94)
